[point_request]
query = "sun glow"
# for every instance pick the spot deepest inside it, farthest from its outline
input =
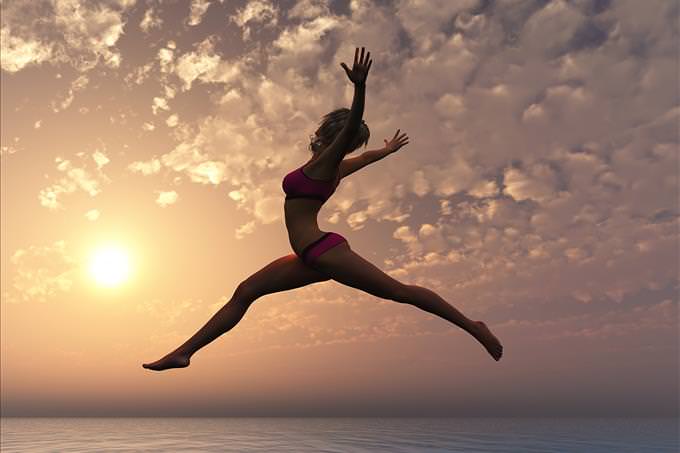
(109, 266)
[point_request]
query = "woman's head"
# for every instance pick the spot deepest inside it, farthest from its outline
(331, 125)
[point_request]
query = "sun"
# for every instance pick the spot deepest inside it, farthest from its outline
(110, 266)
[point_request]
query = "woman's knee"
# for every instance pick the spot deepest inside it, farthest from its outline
(245, 293)
(402, 293)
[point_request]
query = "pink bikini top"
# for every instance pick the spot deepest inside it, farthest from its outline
(297, 184)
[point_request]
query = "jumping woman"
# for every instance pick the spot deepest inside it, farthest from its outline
(320, 256)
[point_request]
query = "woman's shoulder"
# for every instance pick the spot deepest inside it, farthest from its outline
(319, 168)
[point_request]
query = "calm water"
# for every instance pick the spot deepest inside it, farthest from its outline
(340, 434)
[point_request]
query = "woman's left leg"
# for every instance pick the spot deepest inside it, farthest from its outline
(285, 273)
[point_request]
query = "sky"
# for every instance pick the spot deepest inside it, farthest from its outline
(538, 193)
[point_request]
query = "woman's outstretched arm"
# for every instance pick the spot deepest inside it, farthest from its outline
(336, 150)
(349, 166)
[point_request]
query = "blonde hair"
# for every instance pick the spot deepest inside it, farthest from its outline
(331, 125)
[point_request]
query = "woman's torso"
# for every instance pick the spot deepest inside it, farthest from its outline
(301, 213)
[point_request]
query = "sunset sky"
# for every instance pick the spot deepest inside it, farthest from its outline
(539, 193)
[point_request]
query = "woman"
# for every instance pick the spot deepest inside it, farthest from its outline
(320, 256)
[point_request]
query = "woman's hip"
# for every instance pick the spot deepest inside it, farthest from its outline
(319, 246)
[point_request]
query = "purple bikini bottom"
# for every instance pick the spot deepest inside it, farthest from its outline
(320, 246)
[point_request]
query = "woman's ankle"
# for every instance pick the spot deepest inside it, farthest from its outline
(183, 352)
(472, 327)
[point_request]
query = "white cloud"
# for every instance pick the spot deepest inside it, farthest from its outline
(38, 273)
(92, 214)
(421, 186)
(74, 178)
(255, 12)
(550, 30)
(150, 21)
(172, 120)
(198, 9)
(422, 23)
(404, 234)
(78, 84)
(149, 167)
(139, 74)
(207, 172)
(100, 159)
(205, 65)
(166, 198)
(305, 38)
(538, 184)
(17, 53)
(159, 104)
(245, 229)
(165, 57)
(80, 33)
(309, 9)
(449, 105)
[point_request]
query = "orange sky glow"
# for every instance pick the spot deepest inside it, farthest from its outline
(142, 148)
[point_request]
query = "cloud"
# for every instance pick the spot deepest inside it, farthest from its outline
(166, 198)
(100, 159)
(541, 162)
(168, 315)
(159, 104)
(255, 12)
(309, 9)
(537, 184)
(150, 21)
(6, 150)
(90, 32)
(38, 273)
(205, 65)
(172, 120)
(64, 101)
(198, 9)
(17, 53)
(149, 167)
(74, 178)
(549, 31)
(79, 33)
(92, 214)
(139, 74)
(245, 229)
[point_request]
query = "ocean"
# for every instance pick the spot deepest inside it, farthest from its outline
(374, 434)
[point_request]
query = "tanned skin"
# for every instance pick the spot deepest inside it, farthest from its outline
(340, 263)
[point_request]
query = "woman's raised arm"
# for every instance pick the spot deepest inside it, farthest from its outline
(336, 150)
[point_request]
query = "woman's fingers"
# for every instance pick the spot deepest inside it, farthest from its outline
(398, 137)
(356, 56)
(347, 71)
(397, 141)
(361, 60)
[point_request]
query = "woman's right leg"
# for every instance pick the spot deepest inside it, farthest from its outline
(285, 273)
(345, 266)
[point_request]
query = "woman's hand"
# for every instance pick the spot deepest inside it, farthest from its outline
(359, 71)
(396, 142)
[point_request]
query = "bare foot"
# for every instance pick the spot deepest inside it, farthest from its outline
(169, 361)
(490, 342)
